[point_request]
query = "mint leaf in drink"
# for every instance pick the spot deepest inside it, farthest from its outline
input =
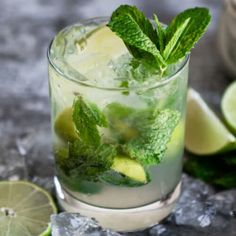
(143, 133)
(190, 25)
(87, 162)
(138, 35)
(86, 117)
(155, 129)
(121, 121)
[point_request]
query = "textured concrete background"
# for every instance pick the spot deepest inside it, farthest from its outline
(26, 28)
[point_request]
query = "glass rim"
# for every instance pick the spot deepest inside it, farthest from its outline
(159, 83)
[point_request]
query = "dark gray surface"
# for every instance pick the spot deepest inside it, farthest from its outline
(26, 28)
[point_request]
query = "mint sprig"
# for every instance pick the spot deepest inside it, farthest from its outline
(151, 41)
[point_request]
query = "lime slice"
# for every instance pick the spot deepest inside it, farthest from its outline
(130, 168)
(103, 40)
(64, 126)
(205, 133)
(101, 46)
(25, 209)
(228, 106)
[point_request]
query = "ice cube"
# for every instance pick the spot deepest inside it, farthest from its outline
(73, 224)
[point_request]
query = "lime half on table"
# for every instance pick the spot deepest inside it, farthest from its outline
(228, 106)
(205, 133)
(25, 209)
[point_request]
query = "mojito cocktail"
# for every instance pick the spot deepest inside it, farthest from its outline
(118, 124)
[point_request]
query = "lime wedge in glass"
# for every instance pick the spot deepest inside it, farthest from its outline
(64, 126)
(129, 168)
(205, 133)
(25, 209)
(102, 46)
(228, 106)
(103, 40)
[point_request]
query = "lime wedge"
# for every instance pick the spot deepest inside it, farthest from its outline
(130, 168)
(205, 133)
(103, 40)
(228, 106)
(100, 47)
(64, 126)
(25, 209)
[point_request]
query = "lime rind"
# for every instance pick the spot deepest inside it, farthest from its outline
(228, 107)
(47, 232)
(205, 133)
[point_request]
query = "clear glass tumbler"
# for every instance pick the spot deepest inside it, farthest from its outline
(118, 133)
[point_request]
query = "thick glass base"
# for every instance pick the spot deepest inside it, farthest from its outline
(122, 220)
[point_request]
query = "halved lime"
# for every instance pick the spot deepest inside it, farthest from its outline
(130, 168)
(205, 133)
(228, 106)
(64, 126)
(25, 209)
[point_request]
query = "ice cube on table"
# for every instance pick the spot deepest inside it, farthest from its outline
(73, 224)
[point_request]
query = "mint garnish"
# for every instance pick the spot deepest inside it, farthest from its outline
(137, 33)
(153, 42)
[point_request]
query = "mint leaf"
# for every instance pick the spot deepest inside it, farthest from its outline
(170, 47)
(135, 34)
(120, 121)
(87, 162)
(86, 117)
(212, 170)
(160, 33)
(155, 128)
(143, 133)
(141, 20)
(199, 19)
(90, 163)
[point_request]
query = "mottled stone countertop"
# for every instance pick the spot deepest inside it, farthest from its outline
(26, 28)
